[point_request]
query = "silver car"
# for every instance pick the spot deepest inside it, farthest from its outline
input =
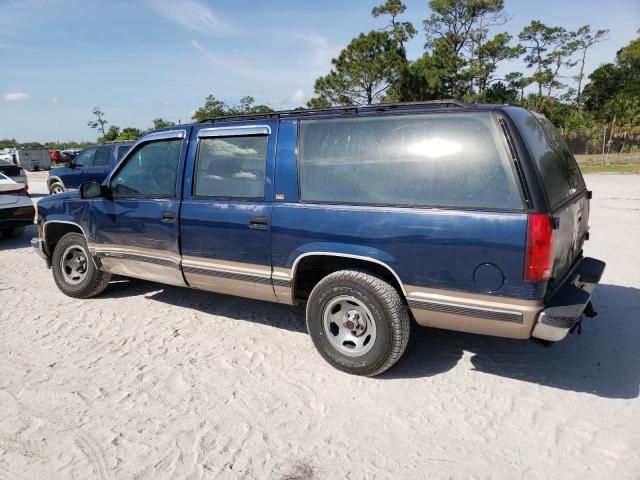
(16, 208)
(14, 172)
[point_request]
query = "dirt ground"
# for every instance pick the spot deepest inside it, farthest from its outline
(155, 382)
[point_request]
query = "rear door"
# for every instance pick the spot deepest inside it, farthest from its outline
(226, 210)
(563, 185)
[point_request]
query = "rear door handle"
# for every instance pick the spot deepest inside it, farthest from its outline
(258, 222)
(168, 217)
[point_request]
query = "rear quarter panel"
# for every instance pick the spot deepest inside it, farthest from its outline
(426, 247)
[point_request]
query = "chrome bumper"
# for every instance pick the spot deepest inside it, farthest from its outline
(38, 246)
(564, 310)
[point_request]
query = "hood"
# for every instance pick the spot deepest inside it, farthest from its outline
(60, 197)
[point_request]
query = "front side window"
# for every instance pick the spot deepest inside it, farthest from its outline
(84, 158)
(151, 170)
(231, 167)
(455, 160)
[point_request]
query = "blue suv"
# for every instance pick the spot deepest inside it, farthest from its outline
(455, 216)
(91, 164)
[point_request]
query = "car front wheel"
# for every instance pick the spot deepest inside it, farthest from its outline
(74, 271)
(358, 322)
(56, 188)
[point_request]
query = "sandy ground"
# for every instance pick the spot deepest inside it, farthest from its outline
(153, 382)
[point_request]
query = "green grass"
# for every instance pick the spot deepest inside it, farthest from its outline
(629, 168)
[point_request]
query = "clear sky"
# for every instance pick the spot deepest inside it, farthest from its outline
(138, 60)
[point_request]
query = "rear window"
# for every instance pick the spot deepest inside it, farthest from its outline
(455, 160)
(558, 169)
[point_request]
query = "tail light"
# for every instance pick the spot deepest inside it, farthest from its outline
(23, 211)
(539, 253)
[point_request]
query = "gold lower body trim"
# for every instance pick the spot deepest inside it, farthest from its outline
(139, 262)
(231, 278)
(473, 313)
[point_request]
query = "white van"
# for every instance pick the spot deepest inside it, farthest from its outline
(32, 159)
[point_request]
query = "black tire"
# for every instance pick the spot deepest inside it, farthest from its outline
(387, 309)
(56, 187)
(94, 281)
(12, 232)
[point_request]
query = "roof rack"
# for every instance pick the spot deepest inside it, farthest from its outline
(347, 109)
(114, 141)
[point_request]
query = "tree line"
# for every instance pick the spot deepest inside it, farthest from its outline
(462, 56)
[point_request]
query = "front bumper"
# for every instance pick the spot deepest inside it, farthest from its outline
(567, 305)
(39, 247)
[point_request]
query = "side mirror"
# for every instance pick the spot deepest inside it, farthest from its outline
(70, 164)
(90, 190)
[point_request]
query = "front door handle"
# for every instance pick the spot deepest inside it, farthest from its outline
(258, 222)
(168, 217)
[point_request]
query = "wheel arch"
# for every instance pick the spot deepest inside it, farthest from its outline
(325, 263)
(54, 230)
(53, 179)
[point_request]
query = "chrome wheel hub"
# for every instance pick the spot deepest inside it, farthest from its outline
(73, 264)
(349, 326)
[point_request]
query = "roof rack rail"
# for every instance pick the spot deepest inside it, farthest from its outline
(114, 141)
(347, 108)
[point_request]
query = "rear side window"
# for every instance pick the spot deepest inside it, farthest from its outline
(558, 169)
(122, 151)
(455, 160)
(231, 167)
(101, 157)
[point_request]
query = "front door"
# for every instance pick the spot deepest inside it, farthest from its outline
(134, 230)
(226, 210)
(101, 165)
(77, 175)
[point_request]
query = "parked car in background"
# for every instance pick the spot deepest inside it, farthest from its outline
(33, 159)
(55, 156)
(91, 164)
(462, 217)
(7, 155)
(14, 172)
(67, 155)
(16, 208)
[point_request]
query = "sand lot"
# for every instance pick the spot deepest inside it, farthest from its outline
(154, 382)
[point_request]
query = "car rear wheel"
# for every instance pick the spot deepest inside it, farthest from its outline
(74, 271)
(358, 322)
(55, 188)
(12, 232)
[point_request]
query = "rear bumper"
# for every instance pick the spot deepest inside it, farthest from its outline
(567, 305)
(15, 222)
